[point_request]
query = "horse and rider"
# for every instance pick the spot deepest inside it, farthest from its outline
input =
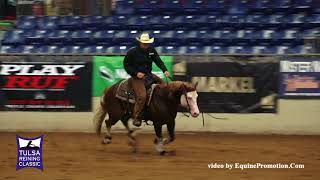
(138, 63)
(163, 98)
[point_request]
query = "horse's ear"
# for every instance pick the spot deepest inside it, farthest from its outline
(195, 85)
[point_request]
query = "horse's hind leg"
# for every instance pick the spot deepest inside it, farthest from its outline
(108, 138)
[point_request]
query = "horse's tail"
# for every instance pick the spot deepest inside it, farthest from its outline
(99, 116)
(101, 112)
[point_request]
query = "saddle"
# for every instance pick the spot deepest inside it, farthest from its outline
(125, 91)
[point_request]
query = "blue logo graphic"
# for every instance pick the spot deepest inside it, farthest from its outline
(29, 152)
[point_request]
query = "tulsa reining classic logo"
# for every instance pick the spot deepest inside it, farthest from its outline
(29, 152)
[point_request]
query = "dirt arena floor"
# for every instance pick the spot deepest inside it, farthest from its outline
(81, 156)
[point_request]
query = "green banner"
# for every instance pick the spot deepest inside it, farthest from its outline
(108, 70)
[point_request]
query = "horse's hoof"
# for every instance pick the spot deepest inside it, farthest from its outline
(162, 153)
(155, 141)
(106, 141)
(166, 141)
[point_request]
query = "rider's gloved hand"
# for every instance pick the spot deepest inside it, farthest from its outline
(167, 73)
(140, 75)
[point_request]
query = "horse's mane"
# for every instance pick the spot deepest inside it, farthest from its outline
(179, 85)
(170, 93)
(175, 89)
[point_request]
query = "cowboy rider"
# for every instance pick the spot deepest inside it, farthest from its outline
(138, 64)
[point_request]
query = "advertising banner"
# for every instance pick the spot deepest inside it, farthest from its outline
(109, 70)
(232, 86)
(300, 77)
(45, 84)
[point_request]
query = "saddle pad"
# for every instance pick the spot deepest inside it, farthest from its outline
(125, 92)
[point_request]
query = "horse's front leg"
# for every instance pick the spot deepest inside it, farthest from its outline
(132, 141)
(158, 140)
(170, 128)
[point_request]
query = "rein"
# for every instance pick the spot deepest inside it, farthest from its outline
(169, 78)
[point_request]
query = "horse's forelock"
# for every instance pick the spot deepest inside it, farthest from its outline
(190, 87)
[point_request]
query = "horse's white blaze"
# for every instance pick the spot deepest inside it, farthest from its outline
(192, 100)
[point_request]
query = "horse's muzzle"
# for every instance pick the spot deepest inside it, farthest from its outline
(195, 114)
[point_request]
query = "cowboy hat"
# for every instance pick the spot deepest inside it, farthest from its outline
(145, 38)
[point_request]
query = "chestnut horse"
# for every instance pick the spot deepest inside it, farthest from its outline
(162, 110)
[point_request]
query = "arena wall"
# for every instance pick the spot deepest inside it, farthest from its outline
(293, 117)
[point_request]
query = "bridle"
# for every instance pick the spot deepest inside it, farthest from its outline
(185, 95)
